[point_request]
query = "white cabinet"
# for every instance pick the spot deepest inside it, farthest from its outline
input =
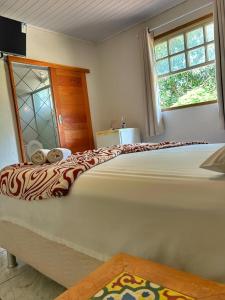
(117, 136)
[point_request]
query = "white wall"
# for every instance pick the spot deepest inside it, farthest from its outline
(193, 124)
(57, 48)
(122, 79)
(122, 82)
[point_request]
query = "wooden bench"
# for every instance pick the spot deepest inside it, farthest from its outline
(125, 277)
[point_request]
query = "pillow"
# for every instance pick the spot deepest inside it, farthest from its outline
(216, 161)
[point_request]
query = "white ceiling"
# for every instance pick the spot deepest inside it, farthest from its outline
(92, 20)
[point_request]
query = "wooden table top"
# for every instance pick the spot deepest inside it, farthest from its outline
(125, 274)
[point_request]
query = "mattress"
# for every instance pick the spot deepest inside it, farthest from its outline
(158, 205)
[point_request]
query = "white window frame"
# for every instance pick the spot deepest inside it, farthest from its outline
(185, 30)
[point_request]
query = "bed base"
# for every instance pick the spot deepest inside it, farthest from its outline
(58, 262)
(12, 263)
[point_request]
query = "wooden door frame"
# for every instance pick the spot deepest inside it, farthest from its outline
(61, 135)
(16, 59)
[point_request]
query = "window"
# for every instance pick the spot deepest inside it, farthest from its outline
(185, 64)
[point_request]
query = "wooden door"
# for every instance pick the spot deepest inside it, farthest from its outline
(72, 109)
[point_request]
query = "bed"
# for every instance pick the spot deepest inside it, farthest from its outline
(157, 205)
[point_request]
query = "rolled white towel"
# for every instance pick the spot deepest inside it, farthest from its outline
(58, 154)
(39, 157)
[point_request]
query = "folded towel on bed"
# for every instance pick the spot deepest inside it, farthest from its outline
(58, 154)
(39, 157)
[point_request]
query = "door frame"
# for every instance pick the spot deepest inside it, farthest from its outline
(16, 59)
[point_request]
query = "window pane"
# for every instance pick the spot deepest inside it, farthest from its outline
(196, 56)
(211, 51)
(195, 37)
(176, 44)
(209, 29)
(162, 66)
(192, 86)
(178, 62)
(161, 50)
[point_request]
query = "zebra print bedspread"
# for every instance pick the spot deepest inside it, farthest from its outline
(36, 182)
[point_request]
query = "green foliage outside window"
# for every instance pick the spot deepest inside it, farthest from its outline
(185, 64)
(188, 87)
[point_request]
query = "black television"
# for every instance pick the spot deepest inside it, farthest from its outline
(12, 37)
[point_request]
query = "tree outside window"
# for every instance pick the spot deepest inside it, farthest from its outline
(185, 64)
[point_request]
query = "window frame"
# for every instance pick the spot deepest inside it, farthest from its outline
(189, 105)
(184, 29)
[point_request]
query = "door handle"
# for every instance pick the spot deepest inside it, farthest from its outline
(60, 118)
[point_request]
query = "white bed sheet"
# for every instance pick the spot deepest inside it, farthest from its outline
(158, 204)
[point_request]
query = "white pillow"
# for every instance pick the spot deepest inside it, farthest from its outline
(216, 161)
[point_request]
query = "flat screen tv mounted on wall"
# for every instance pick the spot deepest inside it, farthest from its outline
(12, 37)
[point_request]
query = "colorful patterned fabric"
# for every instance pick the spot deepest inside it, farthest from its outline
(130, 287)
(36, 182)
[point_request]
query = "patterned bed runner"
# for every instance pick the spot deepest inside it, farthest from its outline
(36, 182)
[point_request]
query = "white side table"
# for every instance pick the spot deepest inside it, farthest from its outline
(121, 136)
